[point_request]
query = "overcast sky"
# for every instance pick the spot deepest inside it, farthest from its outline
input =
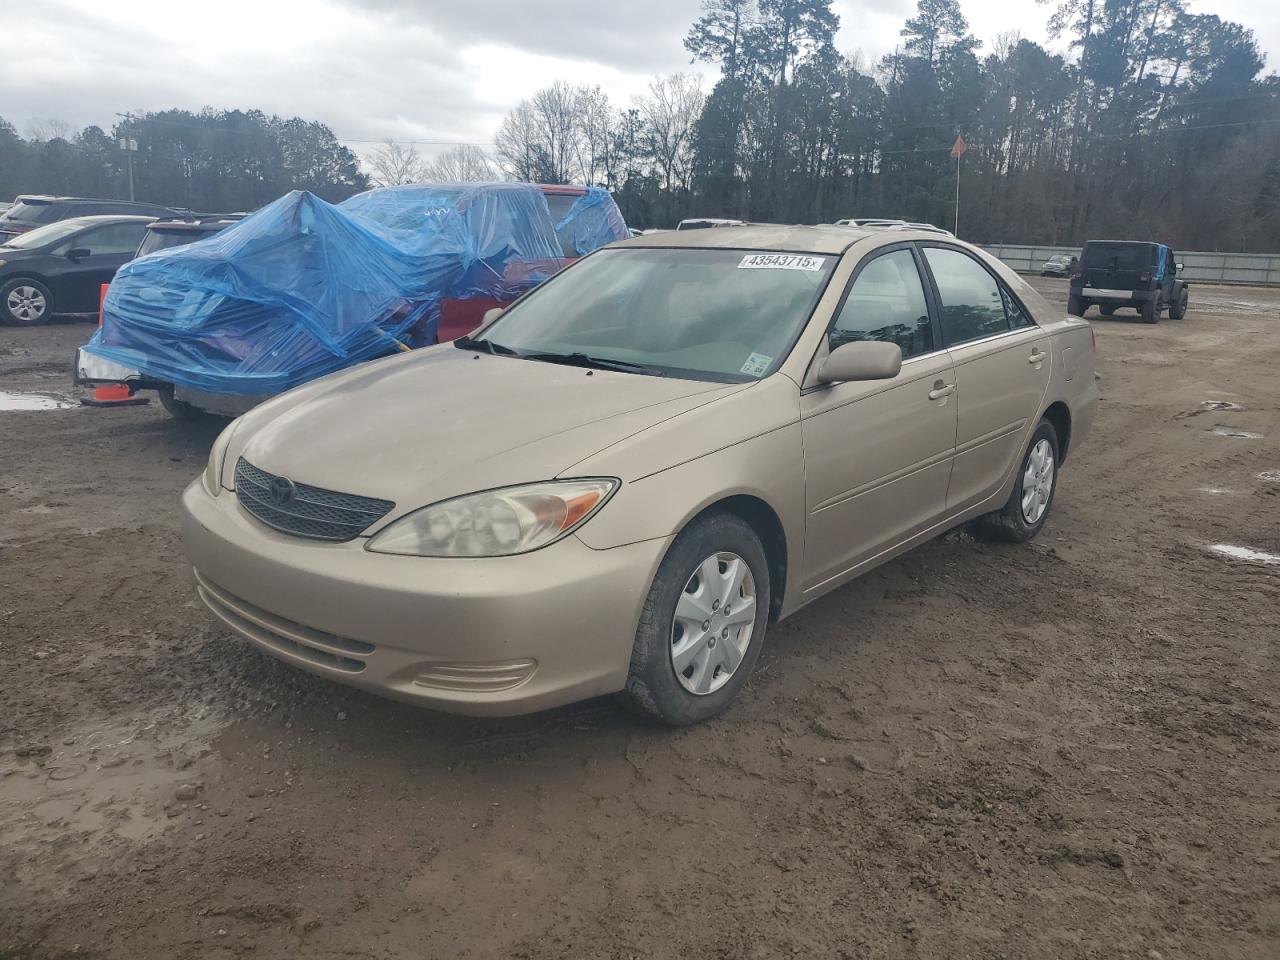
(408, 69)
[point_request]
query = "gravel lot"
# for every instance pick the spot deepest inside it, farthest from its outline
(1057, 750)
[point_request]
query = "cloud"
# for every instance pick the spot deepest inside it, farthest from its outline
(372, 69)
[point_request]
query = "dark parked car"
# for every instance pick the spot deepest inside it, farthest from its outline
(29, 211)
(60, 268)
(1128, 273)
(164, 234)
(1059, 265)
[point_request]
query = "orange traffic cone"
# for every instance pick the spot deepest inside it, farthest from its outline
(111, 394)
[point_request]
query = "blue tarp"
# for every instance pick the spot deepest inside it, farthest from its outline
(303, 287)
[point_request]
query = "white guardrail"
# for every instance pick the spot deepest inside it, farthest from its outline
(1257, 269)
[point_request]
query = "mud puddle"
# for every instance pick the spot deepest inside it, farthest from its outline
(11, 400)
(1248, 554)
(103, 781)
(1238, 434)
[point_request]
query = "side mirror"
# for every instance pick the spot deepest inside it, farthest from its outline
(861, 360)
(1177, 267)
(490, 315)
(78, 253)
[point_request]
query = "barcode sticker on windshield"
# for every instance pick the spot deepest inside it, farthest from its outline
(756, 365)
(780, 261)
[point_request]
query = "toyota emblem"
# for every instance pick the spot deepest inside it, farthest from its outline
(281, 490)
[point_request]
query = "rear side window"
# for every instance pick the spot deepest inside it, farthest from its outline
(31, 211)
(1018, 317)
(886, 302)
(973, 304)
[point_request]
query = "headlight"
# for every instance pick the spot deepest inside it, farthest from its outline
(217, 454)
(496, 523)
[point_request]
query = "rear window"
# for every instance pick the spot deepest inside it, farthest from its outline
(31, 211)
(165, 239)
(1119, 256)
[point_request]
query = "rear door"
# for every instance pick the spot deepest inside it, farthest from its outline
(1113, 270)
(1002, 367)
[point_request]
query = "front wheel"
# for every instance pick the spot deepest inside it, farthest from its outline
(703, 623)
(1178, 309)
(24, 302)
(1028, 505)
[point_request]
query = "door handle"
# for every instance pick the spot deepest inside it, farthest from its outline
(941, 389)
(1037, 356)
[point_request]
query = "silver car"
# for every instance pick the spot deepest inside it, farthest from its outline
(620, 482)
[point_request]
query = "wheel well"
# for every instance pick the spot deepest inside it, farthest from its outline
(1060, 417)
(764, 521)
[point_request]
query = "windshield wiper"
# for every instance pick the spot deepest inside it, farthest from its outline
(470, 343)
(597, 363)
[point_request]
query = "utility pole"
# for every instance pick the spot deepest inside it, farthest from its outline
(958, 150)
(130, 147)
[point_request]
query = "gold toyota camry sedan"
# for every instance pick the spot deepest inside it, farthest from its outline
(617, 484)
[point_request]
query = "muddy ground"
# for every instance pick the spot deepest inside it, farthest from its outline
(1057, 750)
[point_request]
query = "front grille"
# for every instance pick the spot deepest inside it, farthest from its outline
(310, 511)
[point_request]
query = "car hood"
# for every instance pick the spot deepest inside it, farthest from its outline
(444, 421)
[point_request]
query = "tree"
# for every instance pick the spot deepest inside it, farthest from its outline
(395, 164)
(464, 163)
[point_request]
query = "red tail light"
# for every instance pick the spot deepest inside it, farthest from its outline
(1077, 275)
(1145, 276)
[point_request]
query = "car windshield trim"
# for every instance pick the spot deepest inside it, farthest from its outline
(755, 367)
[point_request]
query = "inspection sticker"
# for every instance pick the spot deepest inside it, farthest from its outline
(780, 261)
(756, 365)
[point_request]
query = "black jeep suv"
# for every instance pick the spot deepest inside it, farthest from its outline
(1128, 273)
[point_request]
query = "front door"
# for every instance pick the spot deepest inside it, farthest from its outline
(1002, 367)
(878, 453)
(108, 248)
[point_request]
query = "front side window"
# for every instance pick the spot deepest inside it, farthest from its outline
(886, 302)
(972, 302)
(116, 238)
(708, 314)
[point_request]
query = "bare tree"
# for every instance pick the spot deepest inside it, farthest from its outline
(465, 163)
(670, 111)
(48, 128)
(394, 164)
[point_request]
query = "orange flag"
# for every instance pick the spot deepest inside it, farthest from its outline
(958, 148)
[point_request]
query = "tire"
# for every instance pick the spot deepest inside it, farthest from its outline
(179, 409)
(25, 302)
(1150, 310)
(666, 637)
(1076, 306)
(1108, 310)
(1011, 523)
(1178, 309)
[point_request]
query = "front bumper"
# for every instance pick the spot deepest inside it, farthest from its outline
(494, 636)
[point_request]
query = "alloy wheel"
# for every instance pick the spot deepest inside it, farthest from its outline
(713, 622)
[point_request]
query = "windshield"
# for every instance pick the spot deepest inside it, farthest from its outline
(726, 315)
(41, 236)
(1119, 256)
(29, 211)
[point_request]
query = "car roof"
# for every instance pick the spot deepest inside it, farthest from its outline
(105, 218)
(824, 238)
(48, 198)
